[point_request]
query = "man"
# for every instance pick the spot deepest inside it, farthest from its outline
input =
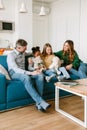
(16, 67)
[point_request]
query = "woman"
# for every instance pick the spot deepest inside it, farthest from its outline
(52, 62)
(71, 60)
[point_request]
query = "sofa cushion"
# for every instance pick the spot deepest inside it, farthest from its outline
(4, 71)
(16, 91)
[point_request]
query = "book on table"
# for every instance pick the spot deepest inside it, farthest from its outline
(69, 82)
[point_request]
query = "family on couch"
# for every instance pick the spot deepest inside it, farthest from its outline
(16, 67)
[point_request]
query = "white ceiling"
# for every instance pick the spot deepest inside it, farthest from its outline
(47, 1)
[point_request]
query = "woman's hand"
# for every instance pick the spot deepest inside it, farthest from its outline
(68, 67)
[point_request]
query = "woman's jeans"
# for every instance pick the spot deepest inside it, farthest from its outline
(50, 72)
(29, 86)
(53, 72)
(81, 72)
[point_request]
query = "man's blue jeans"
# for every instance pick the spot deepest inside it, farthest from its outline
(28, 83)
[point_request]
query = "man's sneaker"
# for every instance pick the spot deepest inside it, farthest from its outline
(39, 108)
(45, 105)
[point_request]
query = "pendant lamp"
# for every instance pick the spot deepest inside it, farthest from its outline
(1, 5)
(23, 8)
(42, 10)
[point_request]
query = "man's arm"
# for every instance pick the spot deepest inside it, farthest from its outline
(12, 65)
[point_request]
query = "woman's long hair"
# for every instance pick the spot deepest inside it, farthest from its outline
(44, 49)
(71, 51)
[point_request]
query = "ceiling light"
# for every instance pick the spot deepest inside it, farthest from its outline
(1, 5)
(23, 8)
(42, 10)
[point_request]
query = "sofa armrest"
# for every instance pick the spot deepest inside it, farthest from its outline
(2, 88)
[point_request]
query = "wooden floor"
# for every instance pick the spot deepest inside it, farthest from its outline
(28, 118)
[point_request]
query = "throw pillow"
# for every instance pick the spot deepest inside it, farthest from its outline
(4, 71)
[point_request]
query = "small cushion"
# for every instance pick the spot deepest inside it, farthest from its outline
(4, 71)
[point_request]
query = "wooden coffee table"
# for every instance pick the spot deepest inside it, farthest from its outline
(79, 90)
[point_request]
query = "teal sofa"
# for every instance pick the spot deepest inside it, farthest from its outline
(13, 93)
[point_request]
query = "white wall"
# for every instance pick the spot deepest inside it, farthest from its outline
(40, 31)
(68, 20)
(40, 26)
(23, 21)
(83, 31)
(7, 14)
(64, 23)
